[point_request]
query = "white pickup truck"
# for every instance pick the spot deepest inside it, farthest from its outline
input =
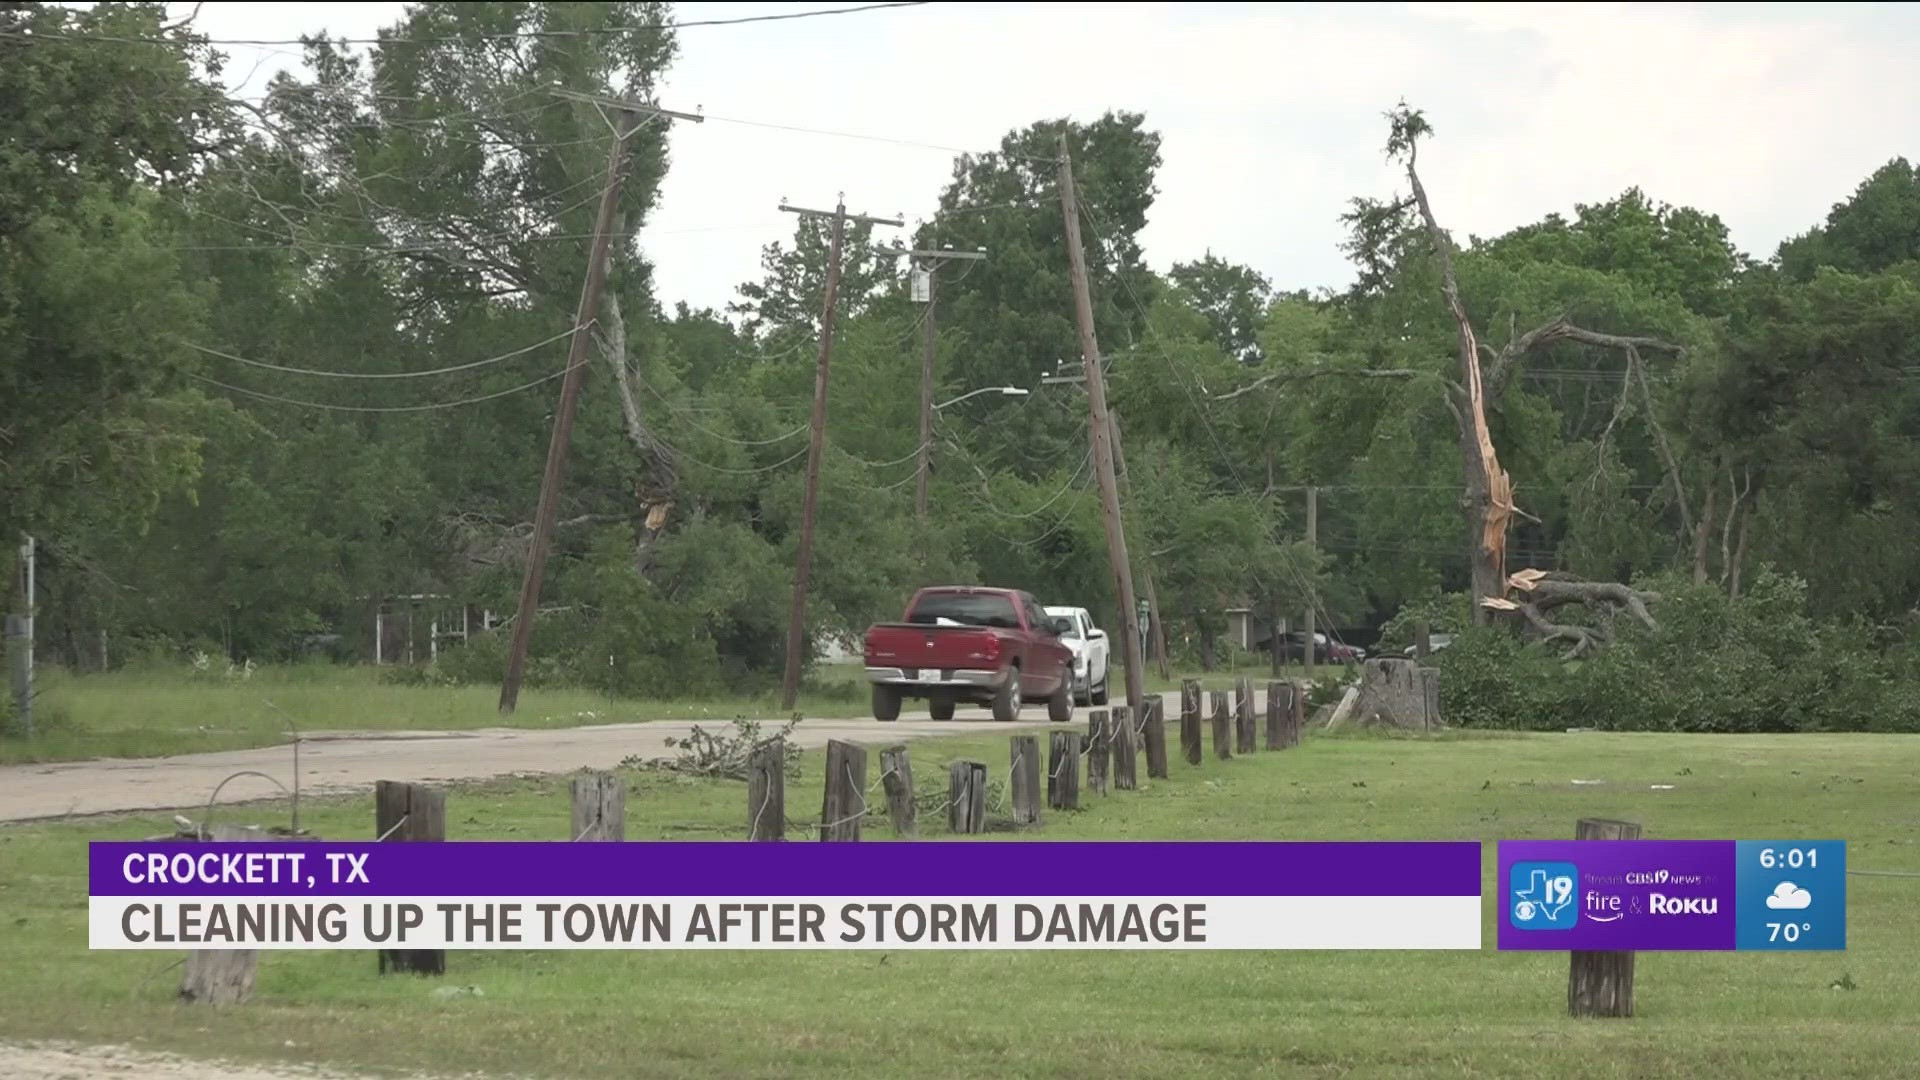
(1091, 654)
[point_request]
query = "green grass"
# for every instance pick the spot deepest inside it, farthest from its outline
(1120, 1015)
(152, 712)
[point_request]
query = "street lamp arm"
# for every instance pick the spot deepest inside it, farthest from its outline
(1009, 391)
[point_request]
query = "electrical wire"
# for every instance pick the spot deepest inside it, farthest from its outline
(1286, 560)
(514, 36)
(384, 374)
(387, 408)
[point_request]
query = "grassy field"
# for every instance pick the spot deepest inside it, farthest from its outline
(956, 1014)
(152, 712)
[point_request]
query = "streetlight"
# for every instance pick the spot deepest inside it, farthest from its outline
(1010, 391)
(927, 409)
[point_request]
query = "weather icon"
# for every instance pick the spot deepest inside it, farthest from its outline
(1789, 897)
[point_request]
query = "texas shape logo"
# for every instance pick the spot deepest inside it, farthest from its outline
(1540, 896)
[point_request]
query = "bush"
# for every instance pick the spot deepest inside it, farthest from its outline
(1756, 664)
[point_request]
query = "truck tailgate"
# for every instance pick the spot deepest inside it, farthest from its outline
(920, 651)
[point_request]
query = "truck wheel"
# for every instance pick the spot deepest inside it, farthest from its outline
(1060, 705)
(940, 708)
(1006, 700)
(1099, 694)
(886, 703)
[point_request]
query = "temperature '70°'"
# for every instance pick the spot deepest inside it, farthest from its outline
(1788, 932)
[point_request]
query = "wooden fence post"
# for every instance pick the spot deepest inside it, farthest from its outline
(221, 976)
(599, 807)
(1300, 711)
(845, 802)
(1222, 727)
(410, 813)
(896, 777)
(1024, 754)
(1243, 731)
(1190, 720)
(967, 796)
(1099, 747)
(1063, 772)
(767, 791)
(1154, 732)
(1601, 983)
(1279, 711)
(1125, 749)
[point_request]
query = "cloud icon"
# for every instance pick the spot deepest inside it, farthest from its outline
(1789, 897)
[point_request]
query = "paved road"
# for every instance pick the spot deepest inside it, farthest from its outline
(346, 762)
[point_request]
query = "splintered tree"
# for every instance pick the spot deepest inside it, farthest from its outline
(1488, 498)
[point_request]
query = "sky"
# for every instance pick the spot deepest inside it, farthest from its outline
(1270, 114)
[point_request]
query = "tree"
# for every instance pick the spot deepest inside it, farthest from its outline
(99, 424)
(1876, 229)
(1014, 310)
(1234, 299)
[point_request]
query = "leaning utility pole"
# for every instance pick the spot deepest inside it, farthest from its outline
(624, 125)
(797, 624)
(931, 261)
(1156, 627)
(1100, 433)
(1313, 599)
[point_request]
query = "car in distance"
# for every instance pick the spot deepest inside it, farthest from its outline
(1293, 646)
(992, 647)
(1092, 654)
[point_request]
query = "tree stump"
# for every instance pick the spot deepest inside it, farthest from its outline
(1025, 769)
(896, 777)
(1600, 984)
(221, 976)
(1399, 694)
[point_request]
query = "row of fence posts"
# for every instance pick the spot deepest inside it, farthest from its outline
(1599, 983)
(1107, 755)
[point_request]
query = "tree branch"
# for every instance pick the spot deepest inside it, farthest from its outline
(1315, 373)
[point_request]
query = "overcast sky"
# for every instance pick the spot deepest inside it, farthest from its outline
(1765, 114)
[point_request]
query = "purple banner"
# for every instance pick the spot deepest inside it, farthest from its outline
(1617, 895)
(1042, 868)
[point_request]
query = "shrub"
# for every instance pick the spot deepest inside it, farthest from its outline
(1756, 664)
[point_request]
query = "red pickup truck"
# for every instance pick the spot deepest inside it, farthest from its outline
(993, 647)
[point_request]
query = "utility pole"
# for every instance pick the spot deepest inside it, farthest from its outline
(1100, 434)
(931, 261)
(20, 640)
(1313, 601)
(816, 448)
(1156, 633)
(623, 122)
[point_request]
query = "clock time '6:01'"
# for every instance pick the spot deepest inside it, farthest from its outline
(1790, 859)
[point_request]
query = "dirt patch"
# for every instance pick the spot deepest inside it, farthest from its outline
(66, 1061)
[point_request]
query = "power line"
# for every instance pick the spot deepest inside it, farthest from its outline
(591, 31)
(384, 408)
(385, 374)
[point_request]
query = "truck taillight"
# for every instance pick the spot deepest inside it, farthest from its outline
(992, 649)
